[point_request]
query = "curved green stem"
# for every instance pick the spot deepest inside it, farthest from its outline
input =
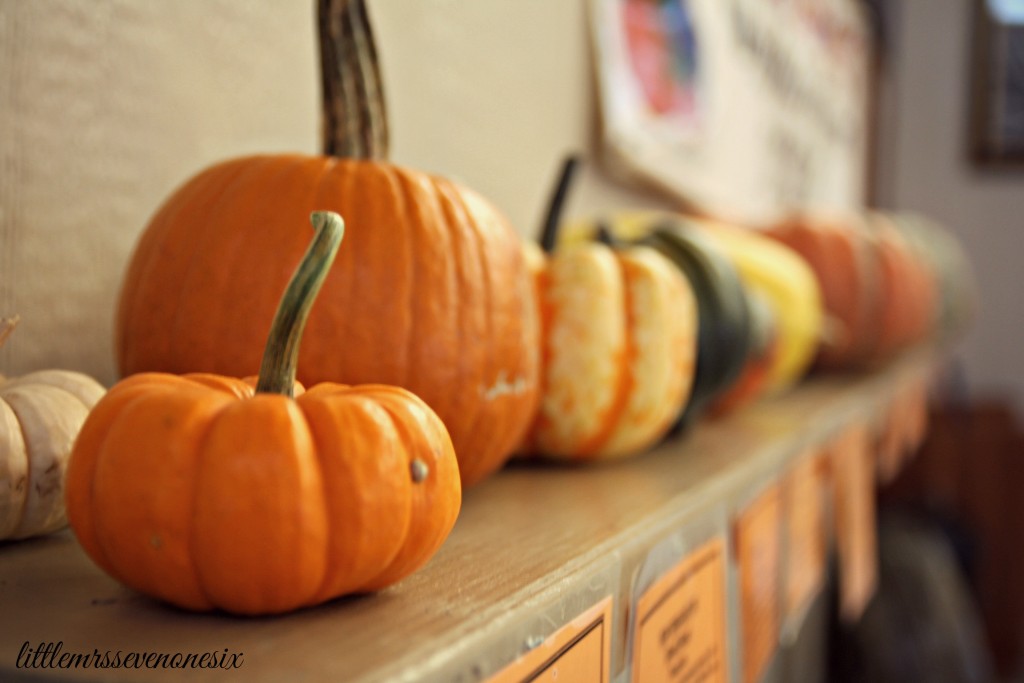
(603, 233)
(355, 122)
(281, 354)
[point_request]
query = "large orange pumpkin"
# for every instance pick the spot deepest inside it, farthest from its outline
(209, 492)
(431, 293)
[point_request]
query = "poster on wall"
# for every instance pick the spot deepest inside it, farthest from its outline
(739, 109)
(659, 78)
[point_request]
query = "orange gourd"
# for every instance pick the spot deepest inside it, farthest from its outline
(432, 293)
(847, 268)
(943, 257)
(909, 289)
(619, 328)
(879, 292)
(211, 493)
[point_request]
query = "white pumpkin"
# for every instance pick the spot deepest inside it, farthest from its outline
(40, 416)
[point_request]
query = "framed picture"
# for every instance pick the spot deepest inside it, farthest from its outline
(997, 84)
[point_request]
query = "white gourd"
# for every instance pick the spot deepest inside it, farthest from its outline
(40, 416)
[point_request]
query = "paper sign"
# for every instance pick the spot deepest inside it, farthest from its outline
(681, 620)
(758, 554)
(890, 443)
(917, 409)
(804, 505)
(905, 428)
(579, 652)
(856, 537)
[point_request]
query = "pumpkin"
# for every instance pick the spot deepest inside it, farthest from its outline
(40, 415)
(879, 280)
(619, 346)
(943, 255)
(909, 291)
(432, 293)
(846, 265)
(255, 497)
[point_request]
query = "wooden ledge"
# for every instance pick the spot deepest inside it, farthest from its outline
(534, 547)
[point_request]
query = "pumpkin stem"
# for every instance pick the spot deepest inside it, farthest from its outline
(355, 119)
(281, 355)
(7, 326)
(605, 236)
(556, 205)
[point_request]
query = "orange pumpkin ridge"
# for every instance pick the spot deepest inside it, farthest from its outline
(158, 249)
(372, 533)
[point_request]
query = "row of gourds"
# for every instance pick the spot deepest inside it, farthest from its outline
(459, 346)
(842, 291)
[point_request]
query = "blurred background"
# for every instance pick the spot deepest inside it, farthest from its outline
(106, 106)
(948, 102)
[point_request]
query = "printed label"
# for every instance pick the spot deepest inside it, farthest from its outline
(853, 488)
(905, 429)
(758, 531)
(579, 652)
(806, 536)
(681, 620)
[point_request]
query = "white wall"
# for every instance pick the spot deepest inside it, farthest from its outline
(924, 167)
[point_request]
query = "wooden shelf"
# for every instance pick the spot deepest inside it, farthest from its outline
(534, 547)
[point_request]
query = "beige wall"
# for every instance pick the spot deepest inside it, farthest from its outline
(107, 105)
(104, 107)
(924, 167)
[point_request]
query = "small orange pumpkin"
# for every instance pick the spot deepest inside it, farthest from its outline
(210, 493)
(432, 290)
